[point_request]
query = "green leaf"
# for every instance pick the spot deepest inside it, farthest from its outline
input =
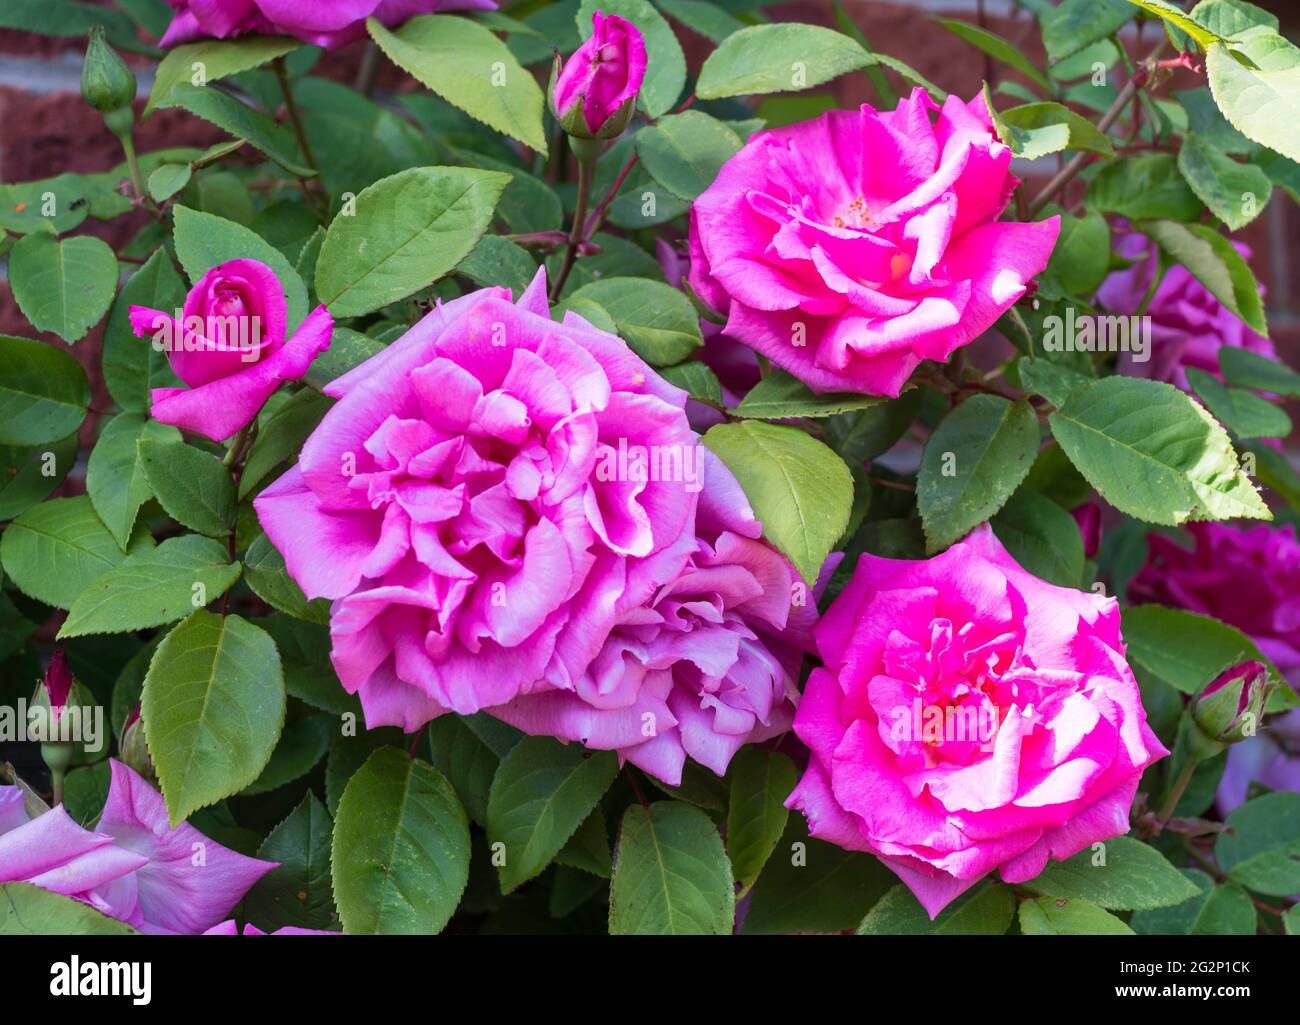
(671, 875)
(541, 793)
(685, 151)
(131, 365)
(1052, 381)
(705, 19)
(349, 751)
(1263, 102)
(1248, 369)
(1074, 24)
(1185, 649)
(213, 59)
(213, 708)
(299, 893)
(63, 285)
(799, 489)
(780, 396)
(1153, 453)
(812, 886)
(997, 48)
(348, 349)
(27, 910)
(1064, 916)
(1214, 262)
(401, 847)
(266, 574)
(237, 118)
(1127, 875)
(44, 392)
(85, 790)
(761, 780)
(28, 475)
(56, 549)
(408, 231)
(281, 436)
(66, 18)
(1036, 129)
(778, 58)
(498, 261)
(308, 673)
(471, 69)
(1042, 537)
(467, 750)
(1081, 259)
(168, 179)
(153, 587)
(1179, 18)
(191, 485)
(115, 479)
(205, 240)
(984, 910)
(1149, 185)
(1261, 847)
(1236, 193)
(665, 63)
(302, 744)
(588, 848)
(695, 377)
(974, 460)
(1242, 412)
(656, 320)
(1223, 910)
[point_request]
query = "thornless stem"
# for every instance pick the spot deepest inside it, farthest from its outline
(295, 122)
(586, 171)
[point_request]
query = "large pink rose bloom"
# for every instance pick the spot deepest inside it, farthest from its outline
(970, 717)
(465, 507)
(327, 23)
(1247, 577)
(1188, 325)
(849, 248)
(710, 663)
(229, 346)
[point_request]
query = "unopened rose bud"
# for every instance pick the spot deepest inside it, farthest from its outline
(107, 84)
(132, 748)
(59, 695)
(1229, 708)
(594, 92)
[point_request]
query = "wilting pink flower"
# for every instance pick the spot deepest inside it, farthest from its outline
(849, 248)
(229, 347)
(472, 506)
(1271, 758)
(53, 852)
(1247, 577)
(1188, 325)
(231, 928)
(327, 23)
(710, 662)
(970, 717)
(601, 79)
(134, 867)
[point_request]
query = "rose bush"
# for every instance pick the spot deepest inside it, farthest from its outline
(650, 468)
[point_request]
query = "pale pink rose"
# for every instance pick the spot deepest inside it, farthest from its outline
(849, 248)
(970, 718)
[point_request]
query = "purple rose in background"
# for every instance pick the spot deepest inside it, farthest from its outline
(135, 866)
(1188, 324)
(1247, 577)
(327, 23)
(1271, 758)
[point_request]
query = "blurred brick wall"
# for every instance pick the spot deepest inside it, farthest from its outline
(45, 128)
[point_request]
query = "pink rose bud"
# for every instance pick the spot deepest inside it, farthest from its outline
(1088, 516)
(57, 682)
(228, 344)
(595, 91)
(1229, 708)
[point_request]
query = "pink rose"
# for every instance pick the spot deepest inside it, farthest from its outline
(849, 248)
(1188, 325)
(970, 717)
(135, 866)
(229, 347)
(231, 928)
(470, 506)
(327, 23)
(601, 79)
(711, 660)
(1247, 577)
